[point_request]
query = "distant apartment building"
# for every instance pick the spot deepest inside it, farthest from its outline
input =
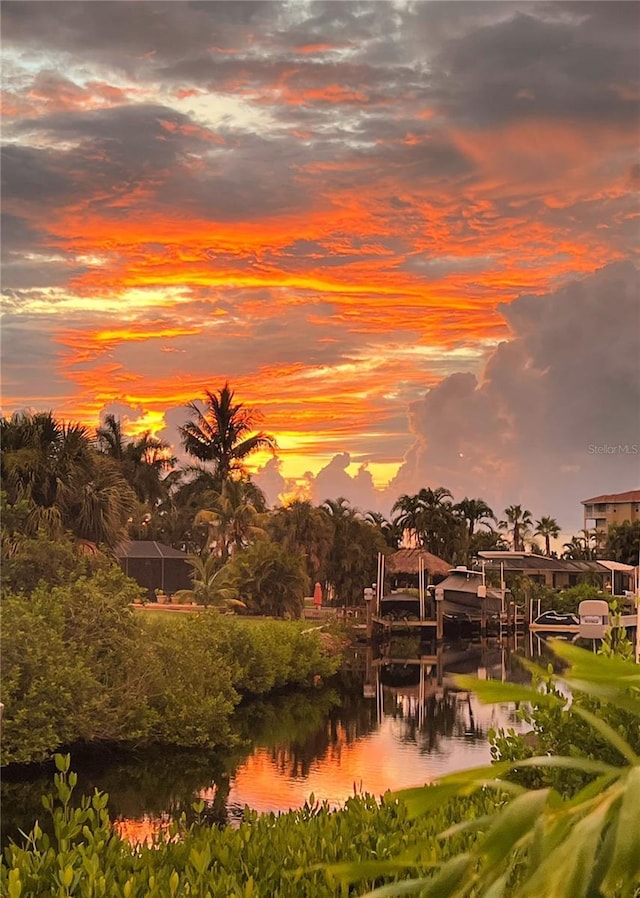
(603, 511)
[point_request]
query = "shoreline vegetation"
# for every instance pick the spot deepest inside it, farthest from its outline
(564, 822)
(80, 665)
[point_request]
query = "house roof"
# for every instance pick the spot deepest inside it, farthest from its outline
(629, 496)
(407, 561)
(522, 562)
(147, 548)
(617, 566)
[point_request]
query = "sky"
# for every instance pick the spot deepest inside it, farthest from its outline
(405, 232)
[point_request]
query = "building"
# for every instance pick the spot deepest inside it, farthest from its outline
(559, 573)
(603, 511)
(154, 566)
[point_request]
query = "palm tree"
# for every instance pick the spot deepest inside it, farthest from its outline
(143, 460)
(390, 530)
(270, 579)
(623, 542)
(35, 449)
(352, 561)
(408, 519)
(97, 506)
(486, 541)
(549, 529)
(305, 530)
(223, 434)
(232, 518)
(518, 519)
(67, 485)
(580, 548)
(210, 583)
(430, 518)
(474, 511)
(575, 549)
(110, 437)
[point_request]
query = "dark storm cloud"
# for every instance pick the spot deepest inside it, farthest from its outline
(30, 173)
(18, 235)
(129, 35)
(150, 136)
(568, 379)
(528, 67)
(110, 152)
(482, 63)
(104, 153)
(115, 150)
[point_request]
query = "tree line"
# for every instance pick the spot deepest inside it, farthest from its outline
(103, 487)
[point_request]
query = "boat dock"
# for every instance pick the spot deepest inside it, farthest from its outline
(462, 597)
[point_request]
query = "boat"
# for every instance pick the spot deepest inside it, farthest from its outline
(556, 622)
(400, 606)
(463, 594)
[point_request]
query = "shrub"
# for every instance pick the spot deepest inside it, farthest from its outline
(269, 579)
(80, 665)
(73, 666)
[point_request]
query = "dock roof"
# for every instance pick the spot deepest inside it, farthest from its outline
(407, 561)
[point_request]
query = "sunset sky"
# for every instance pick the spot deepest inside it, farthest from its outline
(403, 231)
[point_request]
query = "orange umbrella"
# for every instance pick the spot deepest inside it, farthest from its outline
(317, 595)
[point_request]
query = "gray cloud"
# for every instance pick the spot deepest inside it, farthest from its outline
(379, 119)
(568, 380)
(333, 481)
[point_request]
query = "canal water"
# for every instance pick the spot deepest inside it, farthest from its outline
(382, 724)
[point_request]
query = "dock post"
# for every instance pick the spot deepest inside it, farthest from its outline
(439, 596)
(368, 601)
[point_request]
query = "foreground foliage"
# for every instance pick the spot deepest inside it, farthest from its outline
(550, 841)
(281, 856)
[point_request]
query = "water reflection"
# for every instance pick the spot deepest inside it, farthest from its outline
(385, 722)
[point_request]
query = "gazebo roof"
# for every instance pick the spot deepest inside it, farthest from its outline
(147, 548)
(407, 561)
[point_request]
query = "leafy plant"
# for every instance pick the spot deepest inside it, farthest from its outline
(78, 664)
(539, 842)
(82, 853)
(269, 579)
(211, 584)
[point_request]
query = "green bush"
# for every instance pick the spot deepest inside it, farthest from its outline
(191, 690)
(268, 579)
(26, 562)
(73, 666)
(80, 665)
